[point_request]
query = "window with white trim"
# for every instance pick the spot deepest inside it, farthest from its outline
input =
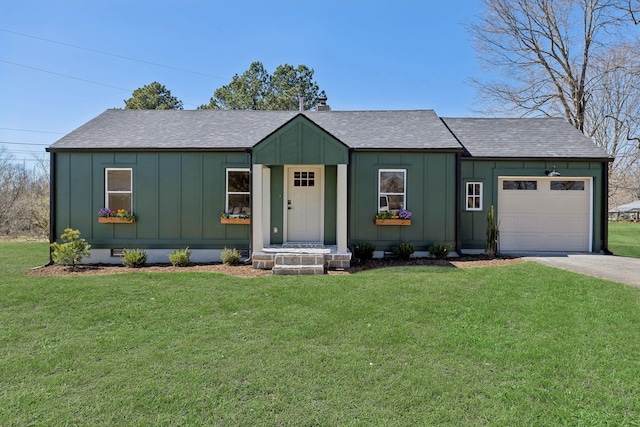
(238, 193)
(118, 189)
(392, 190)
(474, 196)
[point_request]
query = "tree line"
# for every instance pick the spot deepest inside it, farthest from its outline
(24, 199)
(255, 89)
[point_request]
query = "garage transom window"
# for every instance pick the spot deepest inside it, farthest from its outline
(392, 190)
(238, 192)
(567, 185)
(474, 196)
(519, 185)
(118, 189)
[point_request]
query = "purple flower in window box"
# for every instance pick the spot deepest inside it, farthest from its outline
(105, 213)
(404, 214)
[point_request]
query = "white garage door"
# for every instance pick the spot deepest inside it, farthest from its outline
(544, 214)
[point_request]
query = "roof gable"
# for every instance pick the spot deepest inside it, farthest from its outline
(300, 141)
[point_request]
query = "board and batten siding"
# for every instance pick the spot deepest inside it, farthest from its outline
(177, 199)
(430, 189)
(474, 223)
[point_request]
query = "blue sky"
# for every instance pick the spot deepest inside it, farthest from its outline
(367, 55)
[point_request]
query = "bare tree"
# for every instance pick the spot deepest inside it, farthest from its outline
(14, 181)
(544, 50)
(568, 58)
(613, 116)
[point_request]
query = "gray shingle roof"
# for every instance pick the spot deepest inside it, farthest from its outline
(416, 129)
(220, 129)
(523, 138)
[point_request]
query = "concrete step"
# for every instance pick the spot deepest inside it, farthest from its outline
(299, 259)
(291, 270)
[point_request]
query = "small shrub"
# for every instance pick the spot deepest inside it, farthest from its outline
(492, 233)
(440, 250)
(403, 250)
(230, 256)
(72, 250)
(134, 258)
(180, 258)
(364, 251)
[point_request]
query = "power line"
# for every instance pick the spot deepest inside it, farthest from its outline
(23, 143)
(26, 152)
(35, 131)
(76, 78)
(113, 55)
(65, 75)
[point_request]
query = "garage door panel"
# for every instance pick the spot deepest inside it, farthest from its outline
(544, 219)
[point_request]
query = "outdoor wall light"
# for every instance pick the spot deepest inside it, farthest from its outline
(552, 172)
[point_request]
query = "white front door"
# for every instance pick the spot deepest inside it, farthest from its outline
(304, 204)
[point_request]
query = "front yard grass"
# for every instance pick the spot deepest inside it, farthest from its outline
(624, 238)
(518, 345)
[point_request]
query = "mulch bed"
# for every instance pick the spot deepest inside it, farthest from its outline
(248, 271)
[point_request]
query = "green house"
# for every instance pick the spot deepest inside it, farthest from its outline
(294, 187)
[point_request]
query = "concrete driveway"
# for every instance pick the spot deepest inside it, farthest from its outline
(609, 267)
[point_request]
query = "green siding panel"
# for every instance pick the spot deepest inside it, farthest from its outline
(430, 190)
(169, 197)
(330, 204)
(277, 204)
(191, 196)
(473, 224)
(177, 199)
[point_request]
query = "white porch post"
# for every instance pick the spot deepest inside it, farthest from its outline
(341, 214)
(257, 210)
(265, 214)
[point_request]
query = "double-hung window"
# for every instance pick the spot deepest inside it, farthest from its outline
(238, 192)
(392, 190)
(474, 196)
(118, 189)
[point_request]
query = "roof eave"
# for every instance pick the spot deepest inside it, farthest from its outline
(409, 150)
(145, 149)
(539, 159)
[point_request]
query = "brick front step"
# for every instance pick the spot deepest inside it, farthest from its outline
(290, 270)
(300, 260)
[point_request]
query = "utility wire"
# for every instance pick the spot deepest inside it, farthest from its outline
(22, 143)
(35, 131)
(76, 78)
(112, 54)
(65, 75)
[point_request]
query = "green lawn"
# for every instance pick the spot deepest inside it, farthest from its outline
(624, 238)
(503, 346)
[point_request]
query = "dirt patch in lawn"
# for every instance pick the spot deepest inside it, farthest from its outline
(248, 271)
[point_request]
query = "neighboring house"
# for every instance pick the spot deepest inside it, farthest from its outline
(628, 211)
(319, 178)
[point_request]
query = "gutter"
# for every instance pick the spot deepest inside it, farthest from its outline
(604, 220)
(458, 204)
(52, 203)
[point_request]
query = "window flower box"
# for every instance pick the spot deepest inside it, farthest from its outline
(393, 221)
(235, 220)
(115, 220)
(401, 217)
(120, 216)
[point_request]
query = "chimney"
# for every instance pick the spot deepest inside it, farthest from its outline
(322, 104)
(300, 103)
